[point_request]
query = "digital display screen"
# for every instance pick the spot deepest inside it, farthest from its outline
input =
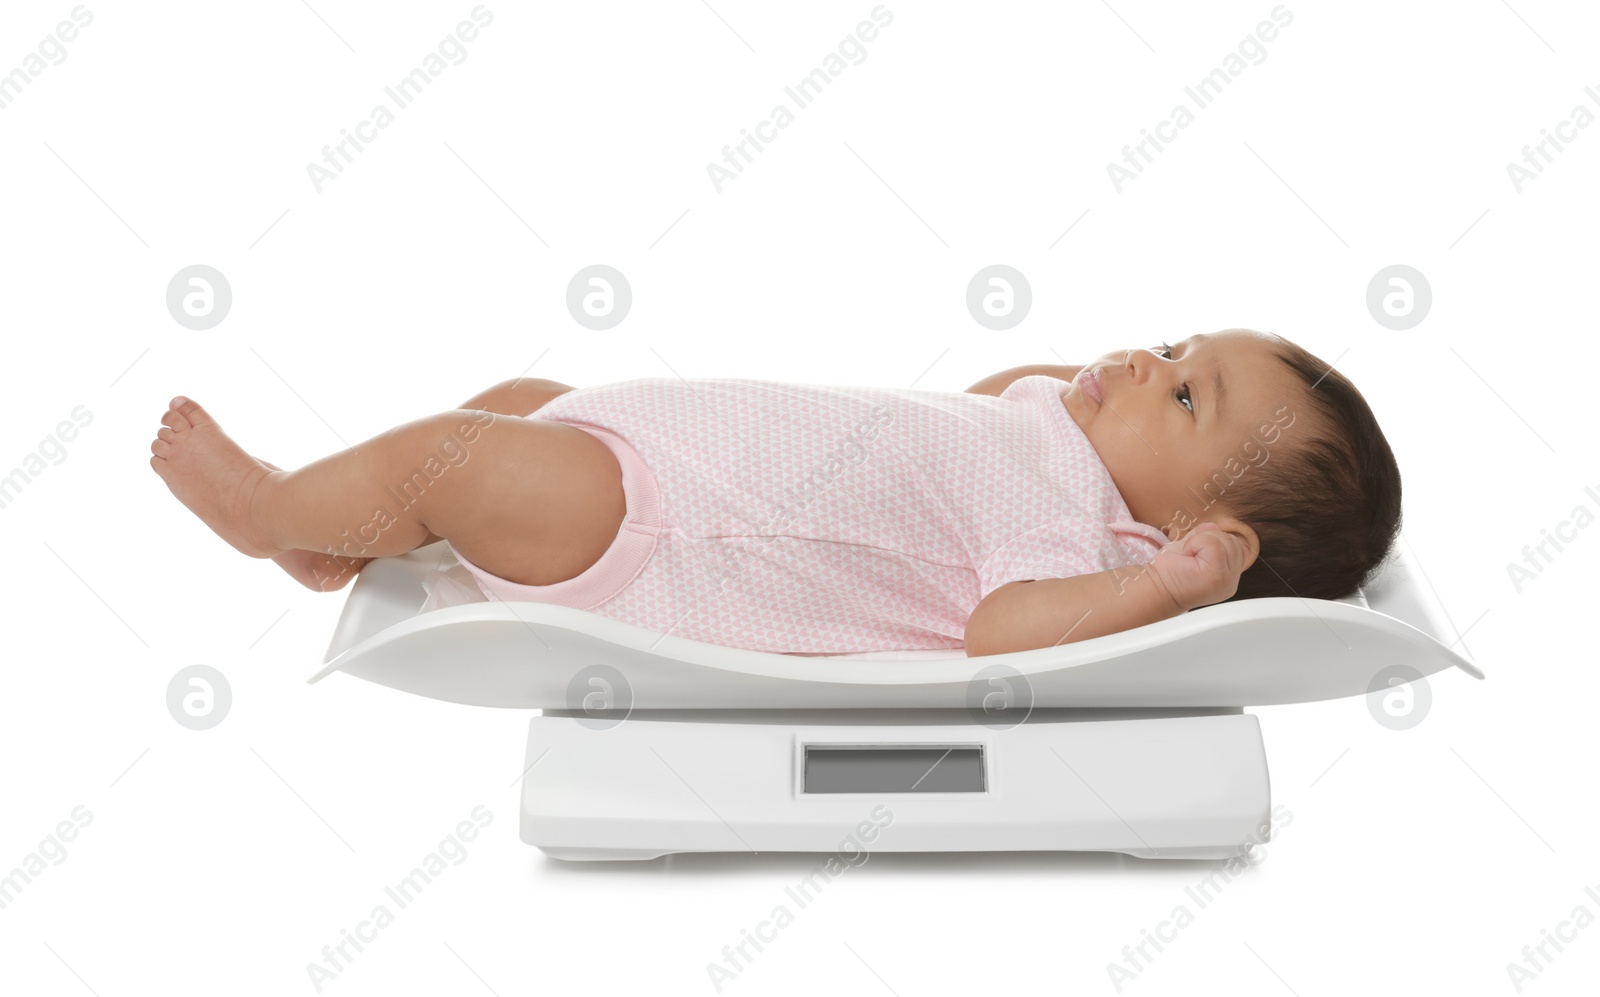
(893, 768)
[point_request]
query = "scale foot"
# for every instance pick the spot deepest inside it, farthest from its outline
(602, 854)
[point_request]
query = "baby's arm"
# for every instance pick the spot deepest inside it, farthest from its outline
(1200, 569)
(1021, 616)
(994, 384)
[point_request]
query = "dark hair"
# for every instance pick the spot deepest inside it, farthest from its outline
(1327, 508)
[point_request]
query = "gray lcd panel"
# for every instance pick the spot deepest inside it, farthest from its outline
(889, 768)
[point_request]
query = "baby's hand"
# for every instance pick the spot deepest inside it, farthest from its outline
(1202, 568)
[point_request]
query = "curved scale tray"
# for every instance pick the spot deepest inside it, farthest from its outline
(525, 655)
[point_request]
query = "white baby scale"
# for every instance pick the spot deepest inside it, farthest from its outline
(649, 744)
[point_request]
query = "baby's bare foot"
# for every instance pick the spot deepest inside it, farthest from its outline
(210, 474)
(315, 570)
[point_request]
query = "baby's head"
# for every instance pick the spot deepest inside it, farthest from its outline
(1249, 431)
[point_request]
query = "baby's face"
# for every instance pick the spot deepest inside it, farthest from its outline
(1168, 424)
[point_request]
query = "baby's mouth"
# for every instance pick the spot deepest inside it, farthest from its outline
(1089, 382)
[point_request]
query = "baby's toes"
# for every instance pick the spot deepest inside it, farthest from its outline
(161, 446)
(191, 412)
(172, 420)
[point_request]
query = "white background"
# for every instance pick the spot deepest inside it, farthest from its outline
(178, 133)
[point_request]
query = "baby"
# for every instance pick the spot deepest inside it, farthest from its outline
(1042, 505)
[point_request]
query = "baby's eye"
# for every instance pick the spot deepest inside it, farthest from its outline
(1183, 393)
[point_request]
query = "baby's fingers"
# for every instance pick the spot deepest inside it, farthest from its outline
(1230, 549)
(1198, 538)
(1218, 546)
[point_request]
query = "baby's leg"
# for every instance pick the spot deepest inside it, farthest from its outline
(320, 571)
(518, 396)
(325, 572)
(531, 500)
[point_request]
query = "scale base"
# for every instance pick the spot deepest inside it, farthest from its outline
(1175, 785)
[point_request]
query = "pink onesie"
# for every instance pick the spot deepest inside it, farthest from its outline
(808, 518)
